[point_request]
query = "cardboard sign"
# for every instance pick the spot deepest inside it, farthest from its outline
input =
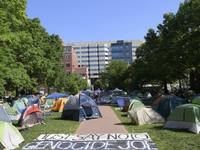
(118, 141)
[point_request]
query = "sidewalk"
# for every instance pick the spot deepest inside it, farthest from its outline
(109, 123)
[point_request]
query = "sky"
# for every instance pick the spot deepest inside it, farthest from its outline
(100, 20)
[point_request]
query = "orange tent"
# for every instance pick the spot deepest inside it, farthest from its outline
(59, 104)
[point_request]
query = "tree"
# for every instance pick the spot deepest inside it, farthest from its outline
(115, 73)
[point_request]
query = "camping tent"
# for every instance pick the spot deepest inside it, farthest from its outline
(135, 104)
(12, 112)
(167, 105)
(80, 107)
(3, 115)
(59, 104)
(117, 90)
(19, 104)
(10, 137)
(56, 95)
(143, 115)
(31, 116)
(196, 100)
(185, 116)
(25, 100)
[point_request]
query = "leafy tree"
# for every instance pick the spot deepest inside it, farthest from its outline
(75, 83)
(115, 73)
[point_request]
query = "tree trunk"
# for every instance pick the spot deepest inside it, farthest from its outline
(165, 86)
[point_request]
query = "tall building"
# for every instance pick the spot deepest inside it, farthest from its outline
(124, 50)
(97, 55)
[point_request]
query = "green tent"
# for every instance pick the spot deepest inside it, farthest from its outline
(186, 116)
(10, 137)
(196, 100)
(135, 104)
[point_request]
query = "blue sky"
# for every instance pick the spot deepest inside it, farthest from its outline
(100, 20)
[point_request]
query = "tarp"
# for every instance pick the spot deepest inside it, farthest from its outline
(185, 116)
(57, 95)
(143, 115)
(80, 107)
(10, 137)
(59, 104)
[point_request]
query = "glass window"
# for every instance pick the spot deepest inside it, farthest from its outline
(67, 49)
(67, 65)
(67, 57)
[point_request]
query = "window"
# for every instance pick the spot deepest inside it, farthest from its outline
(67, 57)
(67, 65)
(67, 49)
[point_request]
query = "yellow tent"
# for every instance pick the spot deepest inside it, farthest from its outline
(59, 104)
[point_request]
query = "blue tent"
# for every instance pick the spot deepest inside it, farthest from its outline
(57, 95)
(168, 104)
(80, 107)
(87, 91)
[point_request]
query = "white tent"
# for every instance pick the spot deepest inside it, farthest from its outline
(143, 115)
(10, 137)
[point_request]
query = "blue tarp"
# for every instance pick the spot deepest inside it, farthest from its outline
(57, 95)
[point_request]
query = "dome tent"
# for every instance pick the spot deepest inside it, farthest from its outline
(185, 116)
(10, 137)
(80, 107)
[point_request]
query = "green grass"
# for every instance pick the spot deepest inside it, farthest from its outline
(54, 125)
(165, 139)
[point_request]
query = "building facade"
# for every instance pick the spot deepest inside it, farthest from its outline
(70, 63)
(124, 50)
(96, 55)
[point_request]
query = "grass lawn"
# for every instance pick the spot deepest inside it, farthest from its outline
(165, 139)
(54, 125)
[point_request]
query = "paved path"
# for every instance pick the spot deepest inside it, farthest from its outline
(109, 123)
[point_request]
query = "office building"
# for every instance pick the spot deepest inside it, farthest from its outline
(96, 55)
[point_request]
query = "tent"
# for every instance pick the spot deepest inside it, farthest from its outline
(49, 103)
(12, 112)
(196, 100)
(117, 90)
(19, 104)
(135, 104)
(128, 102)
(59, 104)
(167, 105)
(143, 115)
(56, 95)
(3, 115)
(185, 116)
(87, 91)
(25, 100)
(10, 137)
(31, 116)
(80, 107)
(121, 102)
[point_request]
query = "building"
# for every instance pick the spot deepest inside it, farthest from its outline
(96, 55)
(70, 62)
(124, 50)
(93, 55)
